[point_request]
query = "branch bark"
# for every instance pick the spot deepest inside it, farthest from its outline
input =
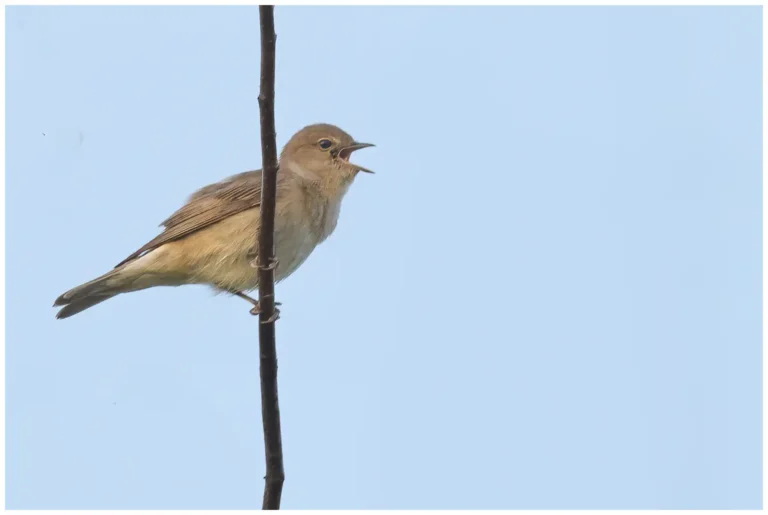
(270, 409)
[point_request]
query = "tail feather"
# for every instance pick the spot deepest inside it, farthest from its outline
(76, 307)
(89, 294)
(145, 272)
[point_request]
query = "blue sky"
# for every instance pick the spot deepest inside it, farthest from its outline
(547, 297)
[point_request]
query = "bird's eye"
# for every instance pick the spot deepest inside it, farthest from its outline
(325, 144)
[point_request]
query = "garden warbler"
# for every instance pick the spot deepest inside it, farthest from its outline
(212, 239)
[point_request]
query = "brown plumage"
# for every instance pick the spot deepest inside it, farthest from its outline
(206, 207)
(212, 239)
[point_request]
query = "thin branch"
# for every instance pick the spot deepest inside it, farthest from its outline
(270, 409)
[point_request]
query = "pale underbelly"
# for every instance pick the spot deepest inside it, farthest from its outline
(222, 255)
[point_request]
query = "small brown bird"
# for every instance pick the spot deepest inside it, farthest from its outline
(212, 239)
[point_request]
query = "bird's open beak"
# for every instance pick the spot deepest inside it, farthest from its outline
(345, 152)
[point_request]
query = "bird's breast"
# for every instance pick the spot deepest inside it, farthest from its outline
(299, 230)
(330, 215)
(293, 245)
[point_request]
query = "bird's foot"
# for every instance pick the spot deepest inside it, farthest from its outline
(275, 317)
(256, 310)
(271, 266)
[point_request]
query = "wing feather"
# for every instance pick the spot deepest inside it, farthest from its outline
(207, 206)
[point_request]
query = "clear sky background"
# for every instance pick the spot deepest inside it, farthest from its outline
(549, 296)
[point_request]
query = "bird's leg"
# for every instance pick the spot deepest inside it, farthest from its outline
(256, 306)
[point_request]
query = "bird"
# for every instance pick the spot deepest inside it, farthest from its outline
(212, 240)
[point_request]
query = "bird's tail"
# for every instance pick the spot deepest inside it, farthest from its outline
(93, 292)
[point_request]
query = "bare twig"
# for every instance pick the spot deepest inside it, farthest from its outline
(270, 409)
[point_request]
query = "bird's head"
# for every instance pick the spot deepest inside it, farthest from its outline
(320, 150)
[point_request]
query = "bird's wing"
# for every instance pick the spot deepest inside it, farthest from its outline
(207, 206)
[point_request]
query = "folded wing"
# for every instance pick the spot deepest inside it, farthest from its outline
(207, 206)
